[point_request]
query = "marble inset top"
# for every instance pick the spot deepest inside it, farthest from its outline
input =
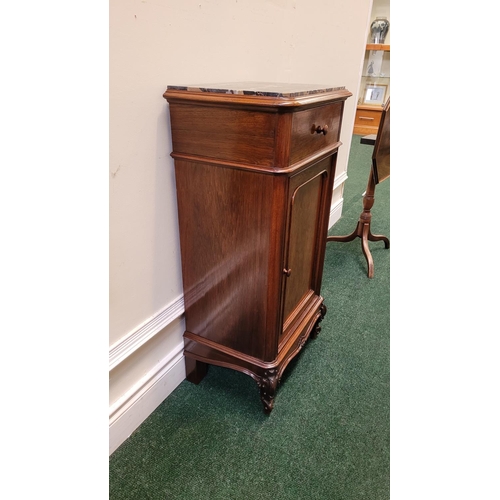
(259, 88)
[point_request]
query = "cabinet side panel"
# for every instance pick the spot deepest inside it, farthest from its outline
(224, 218)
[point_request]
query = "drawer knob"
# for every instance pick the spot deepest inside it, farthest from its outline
(287, 272)
(321, 130)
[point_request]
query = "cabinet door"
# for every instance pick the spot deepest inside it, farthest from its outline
(307, 225)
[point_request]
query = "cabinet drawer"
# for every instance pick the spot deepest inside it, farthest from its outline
(368, 117)
(223, 133)
(314, 130)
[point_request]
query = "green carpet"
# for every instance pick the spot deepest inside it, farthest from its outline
(328, 435)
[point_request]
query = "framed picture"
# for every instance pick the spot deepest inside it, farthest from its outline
(374, 93)
(374, 63)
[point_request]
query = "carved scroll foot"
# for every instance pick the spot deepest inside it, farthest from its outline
(317, 328)
(268, 384)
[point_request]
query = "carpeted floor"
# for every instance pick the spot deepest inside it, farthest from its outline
(328, 435)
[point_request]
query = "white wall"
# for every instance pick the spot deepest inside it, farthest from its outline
(156, 43)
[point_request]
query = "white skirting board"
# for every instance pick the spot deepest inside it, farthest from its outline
(336, 208)
(335, 213)
(144, 396)
(128, 413)
(135, 339)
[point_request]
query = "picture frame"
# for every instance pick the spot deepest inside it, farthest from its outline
(374, 94)
(374, 63)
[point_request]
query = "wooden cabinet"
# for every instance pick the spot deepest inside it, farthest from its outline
(374, 88)
(367, 120)
(254, 168)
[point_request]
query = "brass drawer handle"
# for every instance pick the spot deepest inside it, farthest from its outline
(287, 272)
(320, 130)
(366, 118)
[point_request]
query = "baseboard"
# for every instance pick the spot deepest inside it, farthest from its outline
(135, 339)
(339, 180)
(335, 212)
(336, 208)
(130, 411)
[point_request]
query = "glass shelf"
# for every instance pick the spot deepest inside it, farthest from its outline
(375, 76)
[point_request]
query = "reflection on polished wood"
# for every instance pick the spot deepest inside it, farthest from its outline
(380, 170)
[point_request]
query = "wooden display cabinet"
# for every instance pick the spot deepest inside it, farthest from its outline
(254, 168)
(374, 89)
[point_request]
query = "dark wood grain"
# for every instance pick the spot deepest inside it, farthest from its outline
(225, 217)
(381, 156)
(254, 178)
(305, 140)
(230, 134)
(304, 232)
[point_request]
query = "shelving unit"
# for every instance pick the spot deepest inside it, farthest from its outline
(375, 88)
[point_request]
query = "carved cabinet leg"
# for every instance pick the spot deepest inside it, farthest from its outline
(317, 328)
(268, 384)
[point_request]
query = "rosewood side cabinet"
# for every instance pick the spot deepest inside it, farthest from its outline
(254, 170)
